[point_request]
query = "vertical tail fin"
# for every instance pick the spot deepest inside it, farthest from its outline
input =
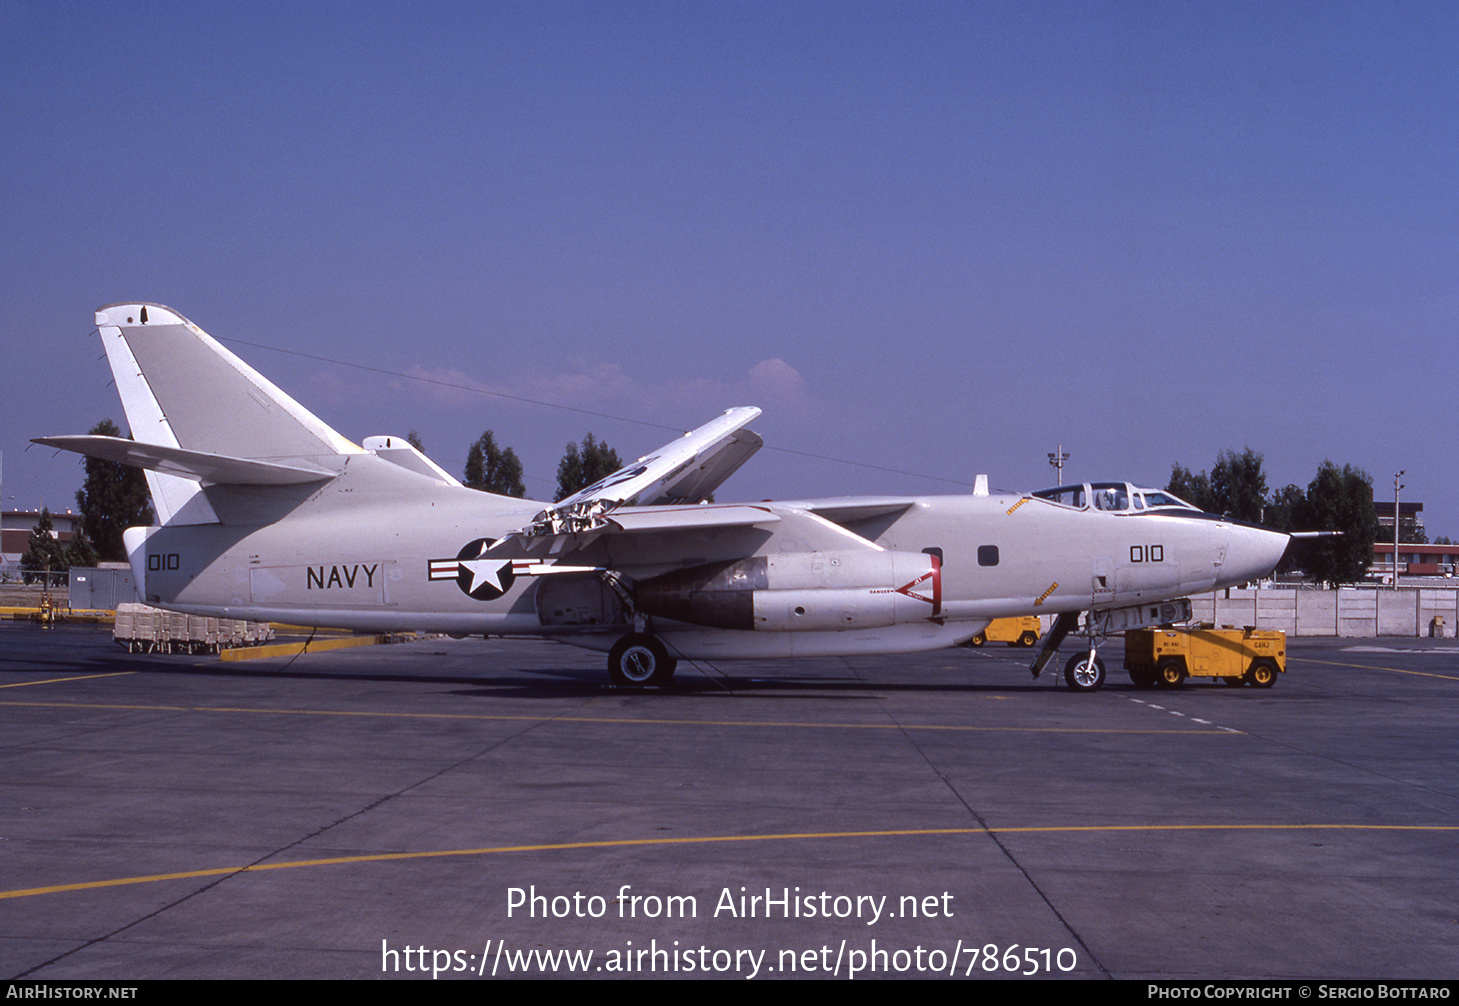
(180, 388)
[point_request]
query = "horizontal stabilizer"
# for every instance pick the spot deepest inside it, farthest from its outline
(215, 469)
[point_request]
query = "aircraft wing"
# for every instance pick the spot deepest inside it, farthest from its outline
(684, 471)
(198, 466)
(683, 518)
(854, 508)
(557, 530)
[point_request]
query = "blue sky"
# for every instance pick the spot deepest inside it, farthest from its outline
(939, 238)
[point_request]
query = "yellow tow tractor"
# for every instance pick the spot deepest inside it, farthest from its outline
(1022, 631)
(1167, 656)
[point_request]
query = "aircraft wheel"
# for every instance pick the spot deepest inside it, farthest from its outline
(1262, 674)
(638, 660)
(1082, 674)
(1028, 638)
(1170, 673)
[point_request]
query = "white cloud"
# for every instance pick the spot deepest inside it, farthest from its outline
(608, 387)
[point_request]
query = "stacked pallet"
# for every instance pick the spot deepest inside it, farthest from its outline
(144, 629)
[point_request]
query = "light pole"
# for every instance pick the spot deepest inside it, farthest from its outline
(1396, 487)
(1056, 462)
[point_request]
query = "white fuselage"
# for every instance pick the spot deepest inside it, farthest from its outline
(929, 572)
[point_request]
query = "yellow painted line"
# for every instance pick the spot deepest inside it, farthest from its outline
(289, 649)
(78, 615)
(1372, 667)
(631, 721)
(386, 857)
(1009, 511)
(79, 677)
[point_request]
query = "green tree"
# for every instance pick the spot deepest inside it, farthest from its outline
(1282, 509)
(580, 468)
(1338, 499)
(46, 554)
(493, 470)
(80, 551)
(413, 438)
(1238, 485)
(1194, 489)
(113, 499)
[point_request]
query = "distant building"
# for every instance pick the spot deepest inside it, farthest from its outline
(1413, 560)
(1410, 513)
(15, 529)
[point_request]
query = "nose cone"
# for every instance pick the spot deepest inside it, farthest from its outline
(1251, 553)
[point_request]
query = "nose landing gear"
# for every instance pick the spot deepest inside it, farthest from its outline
(1085, 671)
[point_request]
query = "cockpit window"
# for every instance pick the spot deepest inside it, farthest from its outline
(1073, 496)
(1156, 498)
(1113, 497)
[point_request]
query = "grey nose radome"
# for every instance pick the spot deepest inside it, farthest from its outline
(1251, 553)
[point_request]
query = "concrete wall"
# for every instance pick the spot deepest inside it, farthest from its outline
(1364, 611)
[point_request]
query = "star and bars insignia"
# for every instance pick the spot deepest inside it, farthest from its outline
(480, 577)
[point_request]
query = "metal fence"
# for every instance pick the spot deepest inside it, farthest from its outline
(12, 574)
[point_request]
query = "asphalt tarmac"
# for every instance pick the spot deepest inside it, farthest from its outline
(467, 809)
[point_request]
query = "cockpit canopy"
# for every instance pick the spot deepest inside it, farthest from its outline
(1115, 497)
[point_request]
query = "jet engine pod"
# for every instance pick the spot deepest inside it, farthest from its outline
(811, 591)
(717, 594)
(825, 608)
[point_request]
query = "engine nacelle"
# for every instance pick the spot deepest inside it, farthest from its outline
(807, 591)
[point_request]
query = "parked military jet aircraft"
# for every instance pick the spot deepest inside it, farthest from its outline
(266, 513)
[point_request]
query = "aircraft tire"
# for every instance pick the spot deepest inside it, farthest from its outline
(1262, 674)
(1170, 673)
(638, 660)
(1081, 675)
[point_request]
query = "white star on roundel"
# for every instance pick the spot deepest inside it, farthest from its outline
(496, 572)
(481, 577)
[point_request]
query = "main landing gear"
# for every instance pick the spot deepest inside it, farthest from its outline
(639, 660)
